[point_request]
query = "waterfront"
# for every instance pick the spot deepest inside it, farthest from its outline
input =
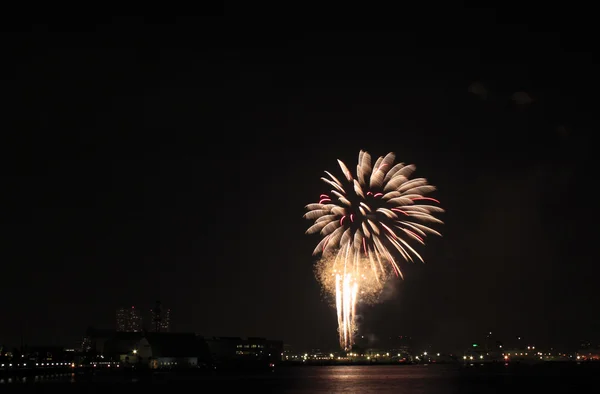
(409, 379)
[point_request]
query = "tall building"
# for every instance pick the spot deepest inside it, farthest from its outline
(129, 320)
(161, 318)
(122, 317)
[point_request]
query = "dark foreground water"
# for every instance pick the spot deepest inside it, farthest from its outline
(408, 379)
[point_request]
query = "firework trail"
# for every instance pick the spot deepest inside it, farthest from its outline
(364, 222)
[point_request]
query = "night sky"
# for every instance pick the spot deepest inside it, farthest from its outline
(148, 159)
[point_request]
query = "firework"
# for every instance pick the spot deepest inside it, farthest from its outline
(365, 222)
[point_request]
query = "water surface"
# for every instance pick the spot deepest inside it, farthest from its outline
(407, 379)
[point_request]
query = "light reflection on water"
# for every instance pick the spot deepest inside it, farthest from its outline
(330, 379)
(407, 379)
(416, 379)
(373, 379)
(58, 377)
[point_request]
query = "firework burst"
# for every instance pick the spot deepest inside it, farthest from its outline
(365, 221)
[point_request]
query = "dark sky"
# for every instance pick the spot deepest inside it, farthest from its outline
(171, 159)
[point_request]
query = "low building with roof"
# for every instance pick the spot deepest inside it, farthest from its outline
(153, 349)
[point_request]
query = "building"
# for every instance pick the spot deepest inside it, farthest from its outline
(288, 351)
(160, 318)
(50, 354)
(588, 352)
(236, 351)
(121, 345)
(95, 340)
(153, 350)
(129, 320)
(402, 345)
(169, 350)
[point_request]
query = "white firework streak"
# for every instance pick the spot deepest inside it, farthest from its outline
(364, 221)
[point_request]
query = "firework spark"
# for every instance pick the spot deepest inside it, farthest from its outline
(364, 222)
